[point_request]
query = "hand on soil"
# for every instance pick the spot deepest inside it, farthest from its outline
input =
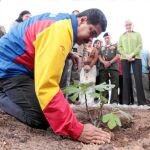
(92, 134)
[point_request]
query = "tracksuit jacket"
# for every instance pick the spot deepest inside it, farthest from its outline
(40, 46)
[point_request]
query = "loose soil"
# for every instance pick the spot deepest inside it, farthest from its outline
(132, 136)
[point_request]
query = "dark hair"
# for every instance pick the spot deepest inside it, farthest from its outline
(95, 16)
(97, 41)
(19, 19)
(106, 34)
(75, 11)
(2, 31)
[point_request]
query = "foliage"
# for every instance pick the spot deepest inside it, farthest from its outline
(78, 88)
(112, 119)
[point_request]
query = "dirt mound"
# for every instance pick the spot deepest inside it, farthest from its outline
(17, 136)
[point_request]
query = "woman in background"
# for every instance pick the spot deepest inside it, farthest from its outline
(2, 31)
(98, 44)
(24, 15)
(88, 71)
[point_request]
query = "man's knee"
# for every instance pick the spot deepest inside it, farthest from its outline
(37, 122)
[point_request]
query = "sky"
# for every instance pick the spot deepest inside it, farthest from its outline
(116, 11)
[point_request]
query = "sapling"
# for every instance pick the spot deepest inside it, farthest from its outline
(112, 119)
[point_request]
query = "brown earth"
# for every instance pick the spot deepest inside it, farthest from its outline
(17, 136)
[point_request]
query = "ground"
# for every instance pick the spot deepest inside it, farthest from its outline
(17, 136)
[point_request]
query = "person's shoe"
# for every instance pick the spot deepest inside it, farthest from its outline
(114, 102)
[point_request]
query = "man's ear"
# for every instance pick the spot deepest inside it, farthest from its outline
(82, 19)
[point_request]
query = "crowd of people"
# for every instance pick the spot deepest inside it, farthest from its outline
(44, 53)
(124, 64)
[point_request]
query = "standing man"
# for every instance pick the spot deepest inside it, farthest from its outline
(129, 46)
(145, 78)
(32, 59)
(109, 67)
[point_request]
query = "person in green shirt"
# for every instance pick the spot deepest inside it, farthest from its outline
(129, 46)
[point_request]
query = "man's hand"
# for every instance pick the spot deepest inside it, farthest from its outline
(87, 68)
(129, 57)
(75, 59)
(92, 134)
(107, 64)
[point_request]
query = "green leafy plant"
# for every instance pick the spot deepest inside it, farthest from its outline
(112, 119)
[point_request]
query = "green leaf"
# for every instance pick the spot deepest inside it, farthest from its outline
(71, 90)
(103, 87)
(112, 120)
(106, 117)
(74, 97)
(127, 115)
(103, 99)
(95, 95)
(85, 85)
(76, 83)
(100, 89)
(117, 120)
(111, 124)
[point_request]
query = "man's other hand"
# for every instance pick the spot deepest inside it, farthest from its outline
(92, 134)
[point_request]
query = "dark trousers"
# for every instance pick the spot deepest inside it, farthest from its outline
(18, 98)
(113, 75)
(66, 75)
(120, 88)
(137, 71)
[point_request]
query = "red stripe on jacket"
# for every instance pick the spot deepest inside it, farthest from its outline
(61, 117)
(32, 31)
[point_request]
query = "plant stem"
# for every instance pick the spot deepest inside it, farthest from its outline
(87, 109)
(101, 110)
(100, 113)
